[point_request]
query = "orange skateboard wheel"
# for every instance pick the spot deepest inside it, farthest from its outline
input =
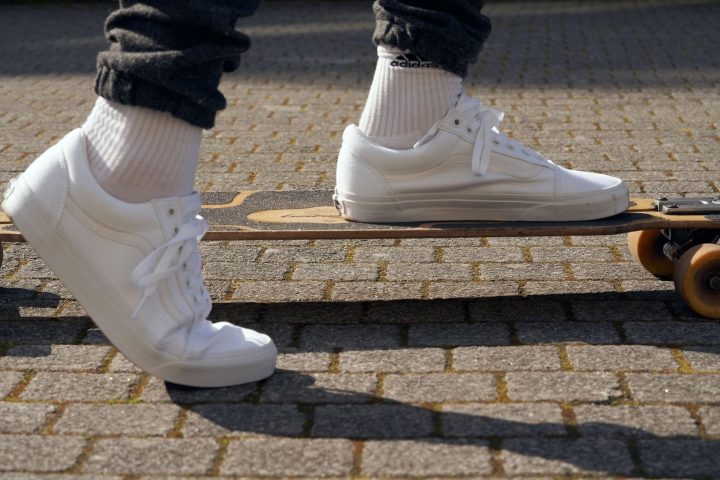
(697, 279)
(646, 248)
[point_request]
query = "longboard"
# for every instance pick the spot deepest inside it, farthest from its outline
(665, 231)
(310, 215)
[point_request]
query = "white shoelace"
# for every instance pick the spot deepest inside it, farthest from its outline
(486, 121)
(180, 253)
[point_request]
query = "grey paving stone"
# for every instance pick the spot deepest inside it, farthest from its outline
(673, 333)
(608, 310)
(703, 358)
(303, 254)
(278, 291)
(94, 336)
(302, 361)
(429, 271)
(285, 457)
(567, 287)
(319, 388)
(18, 417)
(393, 360)
(649, 387)
(236, 420)
(562, 386)
(8, 381)
(621, 357)
(440, 290)
(79, 386)
(157, 456)
(457, 334)
(335, 271)
(567, 332)
(158, 390)
(37, 453)
(609, 271)
(680, 457)
(566, 457)
(711, 420)
(502, 420)
(372, 421)
(506, 242)
(370, 291)
(646, 421)
(397, 254)
(426, 458)
(440, 387)
(416, 312)
(120, 363)
(43, 332)
(282, 335)
(58, 476)
(517, 309)
(120, 419)
(482, 254)
(522, 271)
(571, 254)
(316, 313)
(243, 271)
(324, 337)
(506, 358)
(54, 357)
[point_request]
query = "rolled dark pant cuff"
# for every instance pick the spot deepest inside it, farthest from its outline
(450, 33)
(122, 87)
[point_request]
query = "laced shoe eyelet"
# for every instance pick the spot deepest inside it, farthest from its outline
(176, 230)
(457, 122)
(469, 130)
(496, 142)
(171, 212)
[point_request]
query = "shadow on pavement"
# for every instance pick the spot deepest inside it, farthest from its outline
(555, 44)
(592, 447)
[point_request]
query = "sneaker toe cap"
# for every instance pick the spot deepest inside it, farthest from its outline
(229, 339)
(578, 182)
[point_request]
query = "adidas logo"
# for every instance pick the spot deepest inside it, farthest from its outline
(410, 60)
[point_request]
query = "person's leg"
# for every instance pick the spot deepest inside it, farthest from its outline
(423, 151)
(110, 208)
(424, 49)
(166, 57)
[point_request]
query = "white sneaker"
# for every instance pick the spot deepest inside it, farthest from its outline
(135, 268)
(465, 169)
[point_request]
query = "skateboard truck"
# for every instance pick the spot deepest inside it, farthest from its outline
(688, 206)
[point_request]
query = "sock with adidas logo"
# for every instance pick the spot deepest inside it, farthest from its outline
(407, 97)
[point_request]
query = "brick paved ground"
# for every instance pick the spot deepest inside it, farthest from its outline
(418, 358)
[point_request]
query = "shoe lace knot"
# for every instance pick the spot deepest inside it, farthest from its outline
(179, 254)
(485, 121)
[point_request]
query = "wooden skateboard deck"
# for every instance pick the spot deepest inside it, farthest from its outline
(310, 214)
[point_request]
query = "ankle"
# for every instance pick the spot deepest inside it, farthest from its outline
(407, 97)
(137, 154)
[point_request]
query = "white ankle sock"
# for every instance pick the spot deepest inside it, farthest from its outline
(138, 154)
(407, 97)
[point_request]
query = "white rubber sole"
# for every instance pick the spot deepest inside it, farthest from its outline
(69, 265)
(418, 208)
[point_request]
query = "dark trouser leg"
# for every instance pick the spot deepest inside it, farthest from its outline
(448, 32)
(169, 55)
